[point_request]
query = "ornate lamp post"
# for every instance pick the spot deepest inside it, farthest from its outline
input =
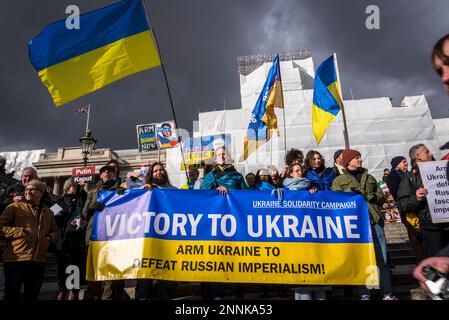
(87, 144)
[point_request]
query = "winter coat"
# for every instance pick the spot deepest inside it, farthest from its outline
(367, 187)
(321, 180)
(28, 232)
(407, 202)
(92, 205)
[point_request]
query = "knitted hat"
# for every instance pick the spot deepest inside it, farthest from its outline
(337, 154)
(396, 160)
(348, 155)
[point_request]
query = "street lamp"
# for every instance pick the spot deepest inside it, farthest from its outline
(87, 144)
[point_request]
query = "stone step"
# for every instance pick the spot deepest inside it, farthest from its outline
(400, 260)
(398, 246)
(400, 252)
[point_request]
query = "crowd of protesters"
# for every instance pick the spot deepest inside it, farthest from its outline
(30, 229)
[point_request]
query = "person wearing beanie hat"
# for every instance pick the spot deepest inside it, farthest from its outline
(400, 186)
(338, 163)
(396, 161)
(348, 155)
(356, 179)
(337, 154)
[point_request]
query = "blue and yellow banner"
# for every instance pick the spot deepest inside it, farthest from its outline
(111, 43)
(263, 119)
(246, 236)
(199, 152)
(326, 98)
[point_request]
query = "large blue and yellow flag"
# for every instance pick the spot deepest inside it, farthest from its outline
(111, 43)
(326, 98)
(263, 119)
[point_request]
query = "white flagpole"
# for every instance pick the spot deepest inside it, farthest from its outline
(88, 116)
(345, 130)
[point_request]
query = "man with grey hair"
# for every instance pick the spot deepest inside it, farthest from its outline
(15, 192)
(411, 197)
(29, 229)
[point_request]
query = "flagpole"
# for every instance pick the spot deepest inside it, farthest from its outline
(166, 81)
(283, 111)
(88, 116)
(345, 131)
(285, 124)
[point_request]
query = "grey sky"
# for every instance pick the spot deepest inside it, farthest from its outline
(199, 41)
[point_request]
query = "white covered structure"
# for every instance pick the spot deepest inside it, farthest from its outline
(379, 130)
(18, 160)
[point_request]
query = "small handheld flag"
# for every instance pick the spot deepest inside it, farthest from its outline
(84, 109)
(263, 119)
(327, 101)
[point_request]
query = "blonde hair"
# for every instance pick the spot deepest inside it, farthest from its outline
(41, 186)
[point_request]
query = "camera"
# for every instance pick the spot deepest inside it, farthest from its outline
(437, 283)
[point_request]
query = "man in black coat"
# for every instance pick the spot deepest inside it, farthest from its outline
(435, 236)
(399, 182)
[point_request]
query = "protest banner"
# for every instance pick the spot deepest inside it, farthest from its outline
(199, 151)
(83, 174)
(246, 236)
(146, 137)
(434, 178)
(166, 135)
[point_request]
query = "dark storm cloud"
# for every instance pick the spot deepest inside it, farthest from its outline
(199, 41)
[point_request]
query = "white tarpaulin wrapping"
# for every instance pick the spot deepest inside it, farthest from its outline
(17, 160)
(376, 128)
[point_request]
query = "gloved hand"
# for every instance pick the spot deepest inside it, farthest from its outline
(120, 191)
(98, 206)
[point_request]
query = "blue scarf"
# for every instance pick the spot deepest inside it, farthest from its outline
(263, 185)
(296, 183)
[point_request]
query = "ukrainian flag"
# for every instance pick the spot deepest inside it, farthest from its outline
(263, 119)
(111, 43)
(326, 98)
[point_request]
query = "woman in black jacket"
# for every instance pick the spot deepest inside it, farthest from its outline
(72, 233)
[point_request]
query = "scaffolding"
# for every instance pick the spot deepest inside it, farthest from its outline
(247, 64)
